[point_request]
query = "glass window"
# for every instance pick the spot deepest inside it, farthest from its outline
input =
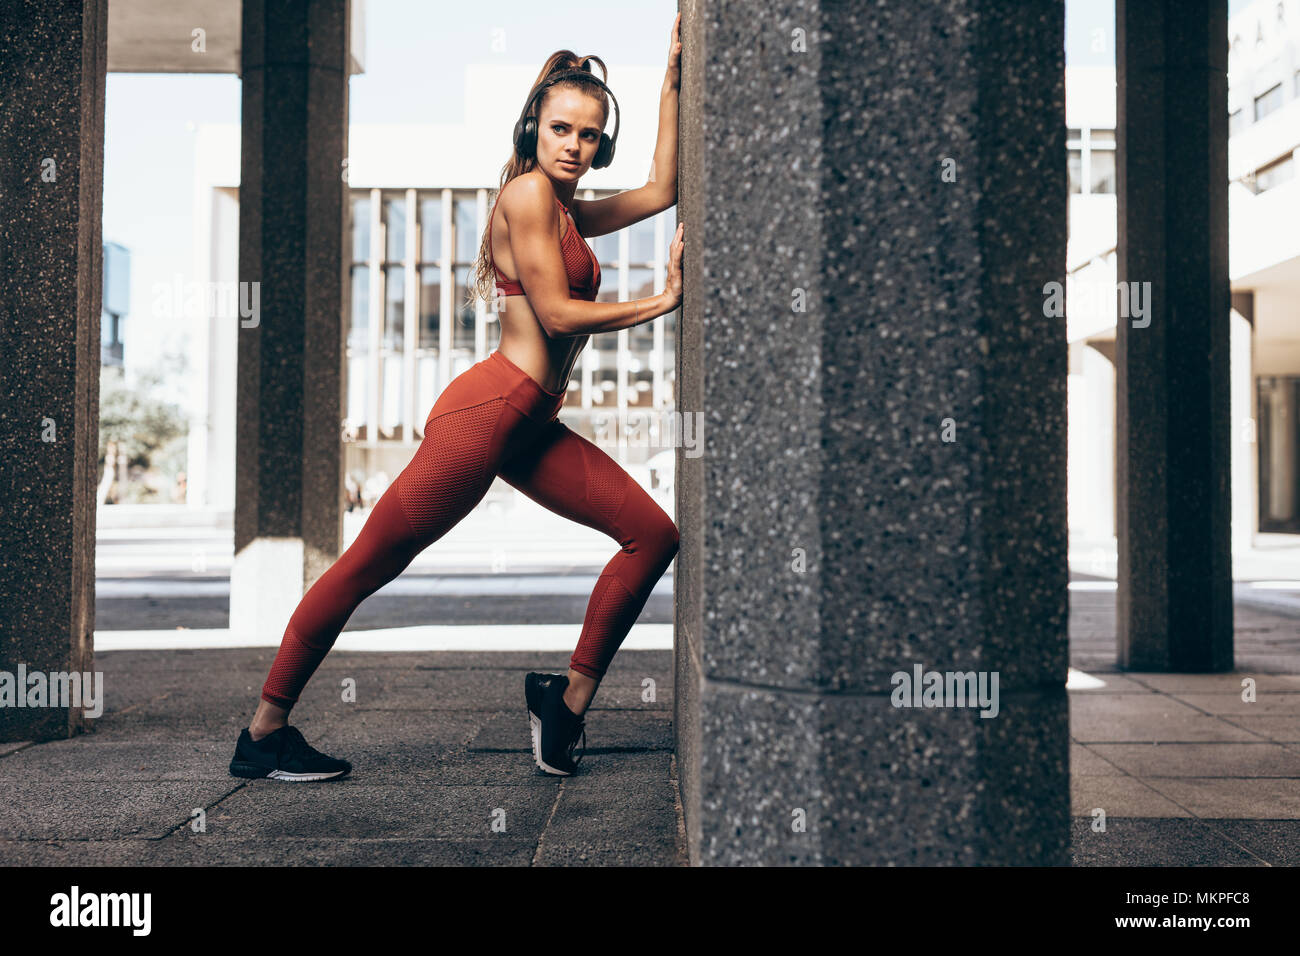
(1278, 440)
(358, 415)
(467, 237)
(1074, 135)
(1275, 174)
(462, 332)
(1076, 171)
(430, 305)
(1235, 120)
(360, 228)
(393, 386)
(1102, 137)
(1268, 102)
(395, 307)
(430, 228)
(359, 330)
(641, 241)
(606, 249)
(395, 227)
(1102, 171)
(668, 358)
(640, 283)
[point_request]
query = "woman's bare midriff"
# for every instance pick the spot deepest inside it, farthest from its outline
(547, 361)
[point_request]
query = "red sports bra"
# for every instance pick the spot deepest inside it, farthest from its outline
(579, 262)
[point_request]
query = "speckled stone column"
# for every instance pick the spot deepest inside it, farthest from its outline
(1174, 450)
(53, 58)
(292, 215)
(874, 198)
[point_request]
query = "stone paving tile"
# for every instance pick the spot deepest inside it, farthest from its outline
(89, 758)
(1119, 797)
(1277, 729)
(1239, 759)
(1233, 798)
(69, 809)
(1115, 718)
(1085, 763)
(1231, 705)
(598, 827)
(271, 810)
(1180, 684)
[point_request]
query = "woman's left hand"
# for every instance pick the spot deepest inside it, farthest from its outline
(675, 54)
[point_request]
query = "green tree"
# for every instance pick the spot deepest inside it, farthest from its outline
(135, 421)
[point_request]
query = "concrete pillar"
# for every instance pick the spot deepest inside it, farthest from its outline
(1174, 602)
(875, 199)
(292, 218)
(53, 58)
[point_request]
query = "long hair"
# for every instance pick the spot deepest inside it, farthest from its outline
(483, 283)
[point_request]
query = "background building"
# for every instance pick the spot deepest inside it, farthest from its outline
(1264, 265)
(116, 304)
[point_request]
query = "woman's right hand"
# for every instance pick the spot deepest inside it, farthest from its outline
(673, 282)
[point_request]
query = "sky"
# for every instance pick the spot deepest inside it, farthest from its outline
(412, 47)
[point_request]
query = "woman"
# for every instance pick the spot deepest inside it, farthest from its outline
(499, 418)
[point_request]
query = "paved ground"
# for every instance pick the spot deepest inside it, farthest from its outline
(440, 749)
(1186, 771)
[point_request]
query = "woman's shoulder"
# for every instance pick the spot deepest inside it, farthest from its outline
(530, 192)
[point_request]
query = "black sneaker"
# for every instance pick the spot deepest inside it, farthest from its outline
(284, 755)
(554, 727)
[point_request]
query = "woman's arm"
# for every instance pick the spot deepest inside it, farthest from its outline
(599, 217)
(529, 207)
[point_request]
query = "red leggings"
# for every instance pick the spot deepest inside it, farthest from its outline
(493, 419)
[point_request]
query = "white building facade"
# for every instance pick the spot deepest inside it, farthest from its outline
(1264, 268)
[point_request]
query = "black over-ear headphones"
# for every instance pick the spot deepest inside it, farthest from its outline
(526, 126)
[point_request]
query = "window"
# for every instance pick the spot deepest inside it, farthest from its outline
(1102, 171)
(358, 332)
(392, 341)
(465, 226)
(429, 338)
(430, 270)
(1268, 102)
(1076, 171)
(1275, 173)
(1235, 120)
(1278, 437)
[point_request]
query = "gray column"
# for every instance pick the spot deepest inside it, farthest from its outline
(292, 216)
(53, 58)
(845, 305)
(1172, 375)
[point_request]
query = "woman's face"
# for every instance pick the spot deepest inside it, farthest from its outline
(568, 133)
